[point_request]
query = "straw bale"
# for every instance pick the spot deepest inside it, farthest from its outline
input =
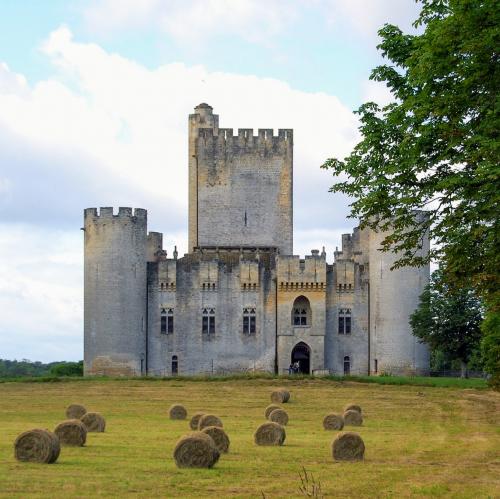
(196, 450)
(348, 446)
(333, 421)
(353, 418)
(279, 416)
(209, 420)
(38, 446)
(177, 411)
(71, 432)
(219, 437)
(75, 411)
(270, 408)
(94, 422)
(193, 424)
(280, 396)
(270, 434)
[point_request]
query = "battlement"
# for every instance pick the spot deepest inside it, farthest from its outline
(107, 212)
(247, 135)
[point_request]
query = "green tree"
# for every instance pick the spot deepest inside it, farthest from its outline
(67, 369)
(448, 320)
(436, 147)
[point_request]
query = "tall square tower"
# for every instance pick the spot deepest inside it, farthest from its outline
(240, 186)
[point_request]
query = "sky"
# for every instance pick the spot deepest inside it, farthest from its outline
(94, 101)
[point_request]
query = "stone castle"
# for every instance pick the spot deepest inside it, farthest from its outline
(240, 299)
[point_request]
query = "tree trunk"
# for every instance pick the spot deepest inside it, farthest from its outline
(463, 366)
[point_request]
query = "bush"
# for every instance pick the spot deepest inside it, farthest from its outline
(67, 369)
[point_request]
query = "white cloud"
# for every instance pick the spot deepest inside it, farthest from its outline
(193, 21)
(108, 131)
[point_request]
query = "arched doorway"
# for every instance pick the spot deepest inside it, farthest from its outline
(301, 354)
(347, 365)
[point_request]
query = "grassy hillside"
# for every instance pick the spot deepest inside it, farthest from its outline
(421, 441)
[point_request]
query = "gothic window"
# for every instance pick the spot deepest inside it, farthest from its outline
(345, 321)
(301, 312)
(208, 321)
(347, 365)
(167, 321)
(249, 320)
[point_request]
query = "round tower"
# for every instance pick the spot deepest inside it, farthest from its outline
(115, 281)
(394, 296)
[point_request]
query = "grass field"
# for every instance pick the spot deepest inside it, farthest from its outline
(420, 441)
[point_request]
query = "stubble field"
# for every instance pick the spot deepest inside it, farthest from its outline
(420, 441)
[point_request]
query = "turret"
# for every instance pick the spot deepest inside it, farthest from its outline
(115, 291)
(394, 296)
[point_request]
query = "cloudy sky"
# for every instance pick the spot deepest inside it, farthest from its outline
(94, 99)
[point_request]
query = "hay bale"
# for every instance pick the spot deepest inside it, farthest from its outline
(270, 434)
(333, 421)
(196, 450)
(353, 418)
(270, 408)
(75, 411)
(193, 424)
(280, 396)
(37, 446)
(93, 421)
(177, 411)
(71, 432)
(209, 420)
(219, 436)
(353, 407)
(279, 416)
(348, 446)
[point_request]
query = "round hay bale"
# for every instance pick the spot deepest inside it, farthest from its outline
(177, 411)
(93, 421)
(193, 424)
(353, 418)
(333, 421)
(219, 436)
(75, 411)
(353, 407)
(279, 416)
(37, 446)
(196, 450)
(348, 446)
(71, 432)
(270, 434)
(280, 396)
(209, 420)
(270, 408)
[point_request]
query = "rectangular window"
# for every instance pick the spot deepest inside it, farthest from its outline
(341, 325)
(208, 321)
(249, 321)
(167, 321)
(348, 325)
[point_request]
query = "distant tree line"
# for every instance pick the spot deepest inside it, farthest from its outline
(27, 368)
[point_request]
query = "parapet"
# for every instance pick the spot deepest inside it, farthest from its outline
(225, 138)
(123, 212)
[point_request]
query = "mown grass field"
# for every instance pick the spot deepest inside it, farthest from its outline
(420, 441)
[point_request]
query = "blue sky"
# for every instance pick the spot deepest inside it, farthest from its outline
(94, 98)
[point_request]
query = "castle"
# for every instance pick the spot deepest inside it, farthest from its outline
(240, 300)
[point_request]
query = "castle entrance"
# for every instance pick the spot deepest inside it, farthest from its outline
(301, 354)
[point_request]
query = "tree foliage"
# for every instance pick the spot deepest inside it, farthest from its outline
(436, 147)
(448, 320)
(26, 368)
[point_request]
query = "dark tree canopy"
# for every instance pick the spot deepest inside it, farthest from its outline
(448, 320)
(436, 147)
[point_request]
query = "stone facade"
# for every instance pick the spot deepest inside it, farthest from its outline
(240, 300)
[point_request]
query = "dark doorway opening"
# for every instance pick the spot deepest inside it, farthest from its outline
(301, 354)
(347, 365)
(175, 365)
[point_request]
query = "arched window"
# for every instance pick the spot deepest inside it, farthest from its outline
(301, 312)
(347, 365)
(345, 321)
(175, 364)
